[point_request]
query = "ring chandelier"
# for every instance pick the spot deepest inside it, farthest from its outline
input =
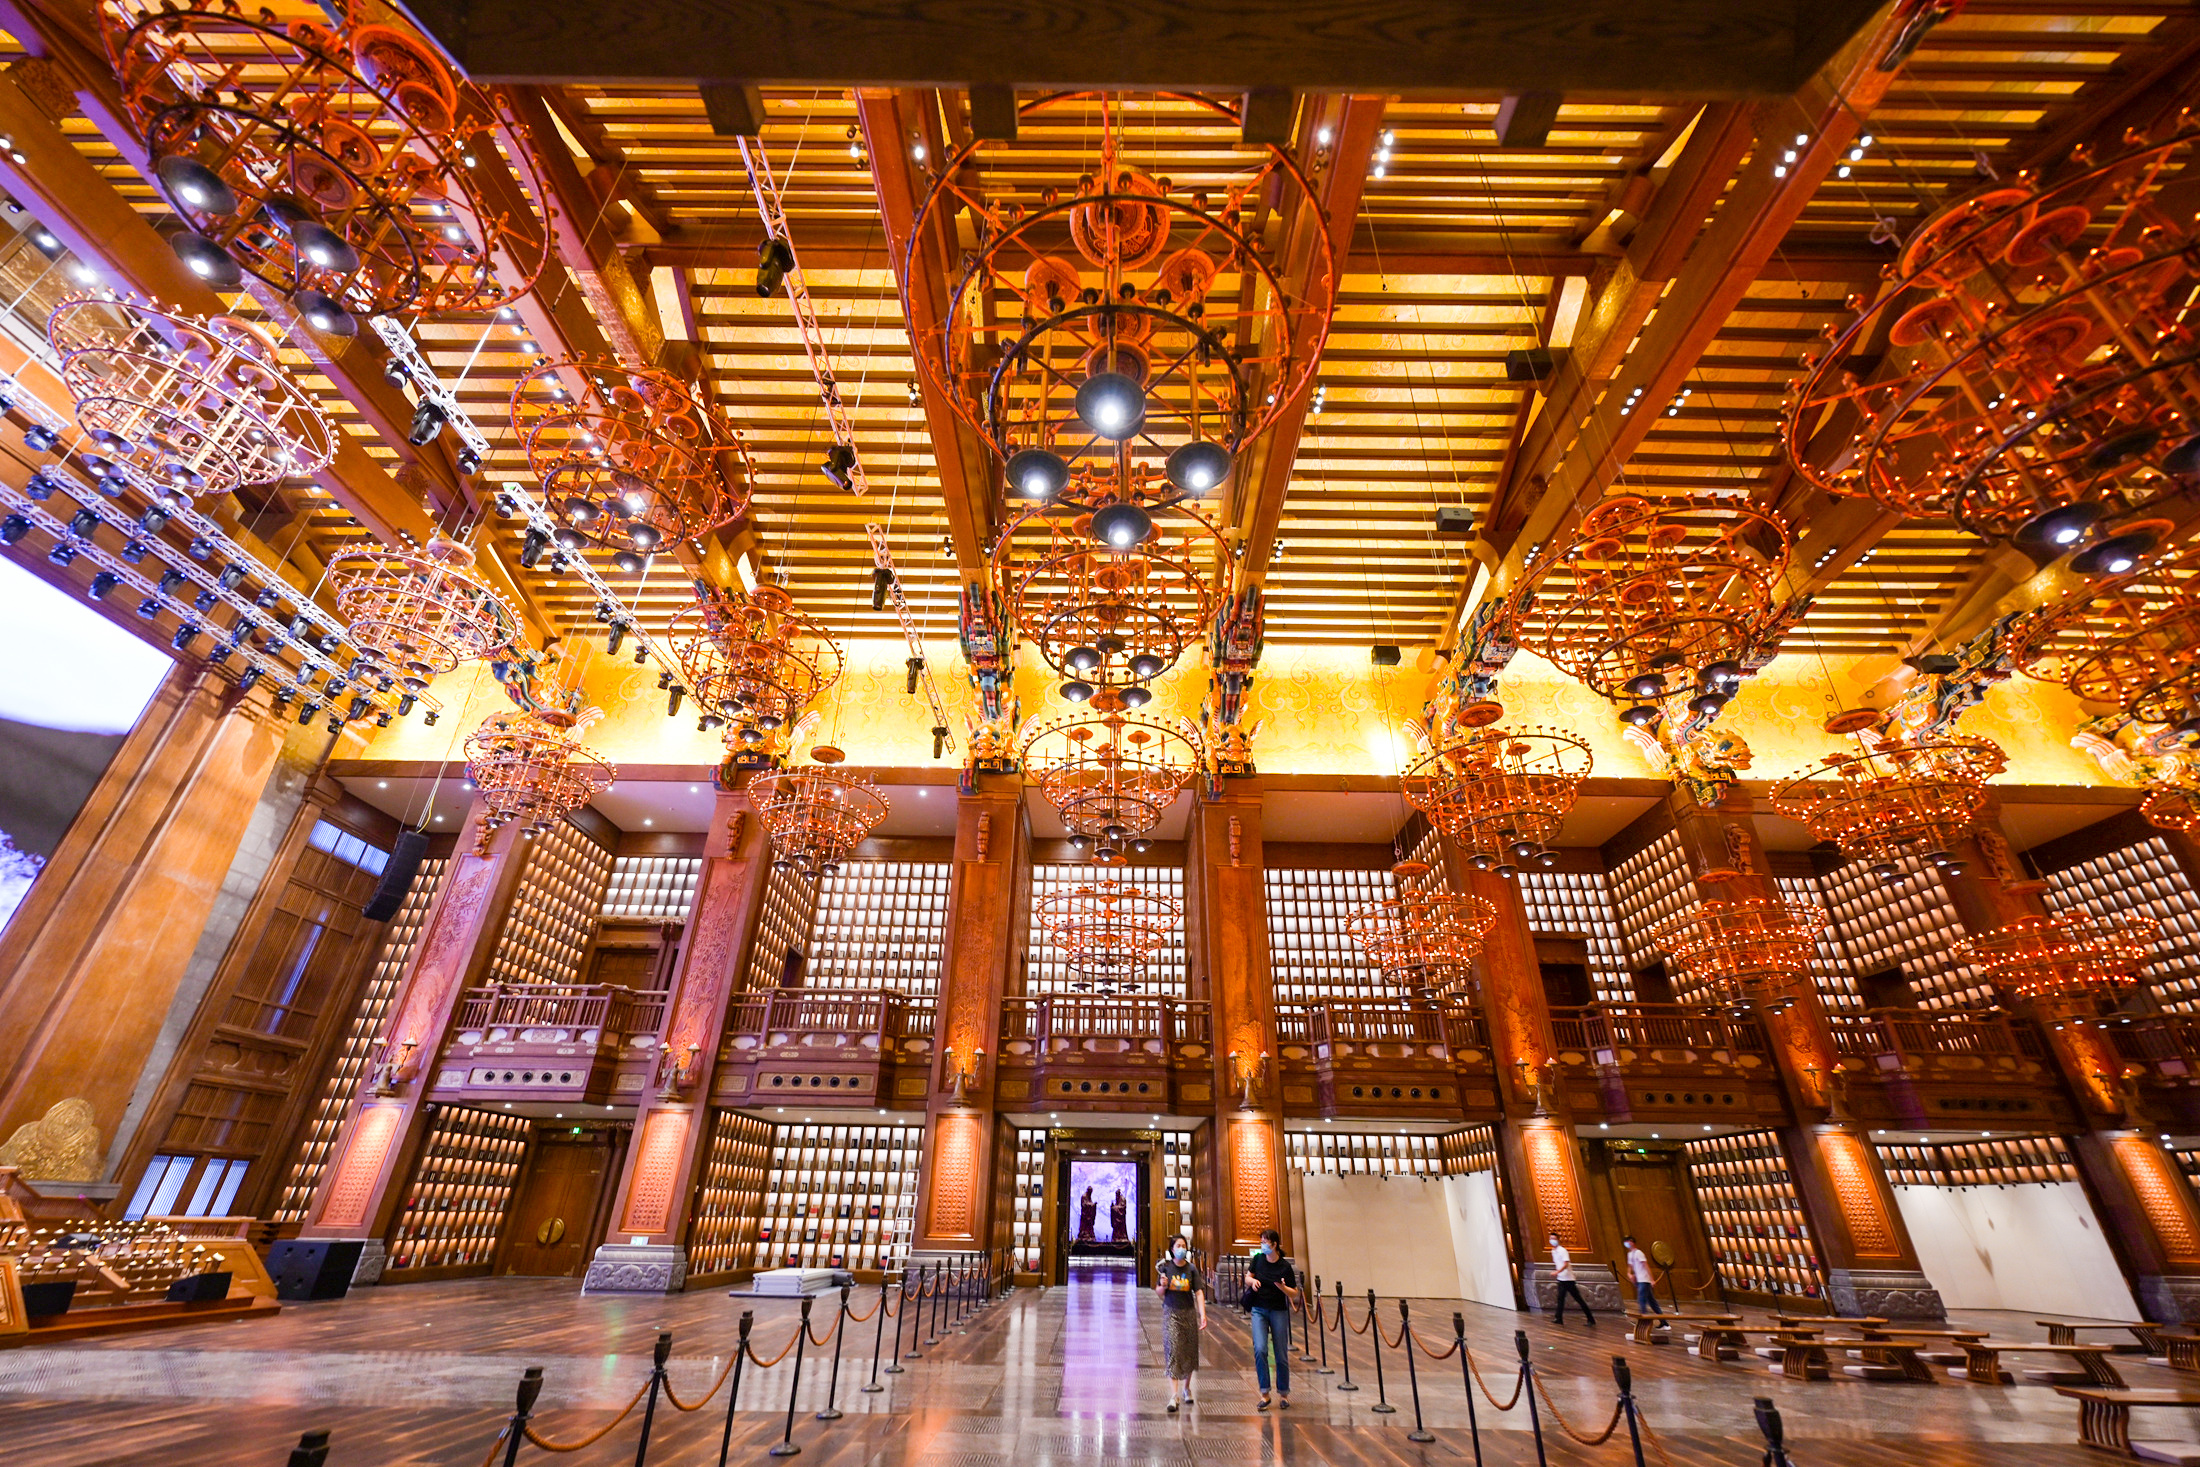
(1112, 774)
(752, 661)
(1901, 798)
(529, 768)
(1109, 930)
(1744, 951)
(1502, 794)
(815, 814)
(2069, 963)
(1425, 938)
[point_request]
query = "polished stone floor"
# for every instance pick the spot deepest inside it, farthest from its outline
(424, 1373)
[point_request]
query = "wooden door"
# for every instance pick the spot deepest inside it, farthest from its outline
(1655, 1208)
(553, 1218)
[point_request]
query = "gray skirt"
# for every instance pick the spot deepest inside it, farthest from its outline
(1179, 1341)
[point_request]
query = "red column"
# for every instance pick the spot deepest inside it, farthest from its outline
(646, 1251)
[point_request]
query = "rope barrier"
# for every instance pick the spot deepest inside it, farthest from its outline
(1448, 1351)
(1652, 1437)
(784, 1351)
(1388, 1342)
(821, 1341)
(1618, 1409)
(590, 1440)
(491, 1456)
(679, 1405)
(1509, 1402)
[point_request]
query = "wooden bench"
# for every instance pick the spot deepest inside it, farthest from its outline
(2180, 1350)
(1884, 1360)
(2065, 1332)
(1652, 1329)
(1719, 1337)
(1796, 1352)
(1982, 1363)
(2104, 1420)
(1828, 1321)
(1924, 1336)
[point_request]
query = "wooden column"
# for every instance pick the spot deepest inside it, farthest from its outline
(1544, 1173)
(2148, 1210)
(1227, 898)
(363, 1183)
(1871, 1265)
(92, 961)
(646, 1250)
(955, 1185)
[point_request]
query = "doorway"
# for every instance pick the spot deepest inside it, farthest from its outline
(1654, 1205)
(1103, 1212)
(557, 1213)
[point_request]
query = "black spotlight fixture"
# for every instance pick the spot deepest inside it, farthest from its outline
(617, 637)
(185, 636)
(207, 260)
(2114, 555)
(1137, 695)
(195, 187)
(39, 438)
(1082, 659)
(149, 608)
(1076, 690)
(531, 546)
(1198, 466)
(1121, 526)
(1112, 404)
(673, 695)
(134, 551)
(2059, 528)
(103, 583)
(1147, 666)
(251, 676)
(154, 520)
(469, 460)
(882, 581)
(1037, 473)
(774, 258)
(324, 313)
(405, 702)
(427, 423)
(62, 553)
(1645, 685)
(1641, 715)
(430, 716)
(83, 523)
(322, 247)
(840, 465)
(629, 563)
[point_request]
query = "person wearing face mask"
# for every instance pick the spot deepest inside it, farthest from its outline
(1183, 1293)
(1275, 1288)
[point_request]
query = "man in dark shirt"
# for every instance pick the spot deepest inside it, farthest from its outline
(1275, 1288)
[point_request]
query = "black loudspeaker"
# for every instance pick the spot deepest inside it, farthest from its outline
(200, 1288)
(397, 876)
(44, 1300)
(315, 1268)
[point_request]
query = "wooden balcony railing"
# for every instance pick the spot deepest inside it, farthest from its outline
(1981, 1032)
(574, 1008)
(1075, 1017)
(2168, 1042)
(1646, 1026)
(831, 1010)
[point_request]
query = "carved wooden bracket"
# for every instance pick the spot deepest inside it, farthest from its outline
(737, 823)
(985, 834)
(1237, 841)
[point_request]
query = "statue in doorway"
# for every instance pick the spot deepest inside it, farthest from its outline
(1119, 1219)
(1087, 1210)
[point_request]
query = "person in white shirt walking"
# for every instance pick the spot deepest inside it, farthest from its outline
(1562, 1269)
(1638, 1264)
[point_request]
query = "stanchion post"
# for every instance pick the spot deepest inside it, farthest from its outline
(1624, 1378)
(785, 1446)
(832, 1384)
(1527, 1387)
(900, 1314)
(1344, 1349)
(1321, 1336)
(878, 1337)
(1419, 1433)
(733, 1387)
(515, 1432)
(657, 1359)
(1768, 1422)
(1466, 1378)
(939, 1278)
(312, 1448)
(1375, 1346)
(1306, 1325)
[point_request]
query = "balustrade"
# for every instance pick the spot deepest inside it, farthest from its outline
(575, 1009)
(1983, 1033)
(1609, 1028)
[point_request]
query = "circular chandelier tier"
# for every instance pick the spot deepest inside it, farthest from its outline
(1500, 793)
(752, 662)
(2067, 962)
(420, 613)
(1111, 774)
(1424, 939)
(628, 457)
(1155, 323)
(1112, 581)
(815, 814)
(2046, 371)
(529, 768)
(1657, 598)
(1903, 798)
(1745, 950)
(334, 162)
(1109, 930)
(2131, 642)
(2172, 807)
(193, 405)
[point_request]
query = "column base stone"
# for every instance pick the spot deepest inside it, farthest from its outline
(1599, 1285)
(1886, 1294)
(2169, 1298)
(373, 1258)
(636, 1268)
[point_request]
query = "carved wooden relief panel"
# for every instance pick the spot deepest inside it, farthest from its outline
(1863, 1203)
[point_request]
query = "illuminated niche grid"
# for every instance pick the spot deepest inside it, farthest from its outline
(360, 1043)
(554, 913)
(1910, 924)
(2009, 1161)
(789, 898)
(881, 925)
(652, 888)
(723, 1234)
(2143, 877)
(839, 1196)
(1046, 967)
(1578, 904)
(1363, 1153)
(1648, 887)
(1027, 1219)
(1831, 971)
(1312, 956)
(454, 1208)
(1759, 1241)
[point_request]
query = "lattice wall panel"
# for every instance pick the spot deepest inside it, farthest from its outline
(1579, 904)
(1910, 924)
(1759, 1241)
(1831, 969)
(881, 925)
(2143, 877)
(789, 899)
(839, 1196)
(555, 910)
(2009, 1161)
(1046, 967)
(1027, 1222)
(1648, 887)
(359, 1044)
(723, 1235)
(454, 1207)
(652, 888)
(1363, 1153)
(1313, 957)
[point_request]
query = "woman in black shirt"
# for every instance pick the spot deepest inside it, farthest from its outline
(1275, 1288)
(1183, 1291)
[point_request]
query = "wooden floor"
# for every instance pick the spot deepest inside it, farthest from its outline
(424, 1374)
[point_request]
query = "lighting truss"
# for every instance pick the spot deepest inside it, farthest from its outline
(920, 666)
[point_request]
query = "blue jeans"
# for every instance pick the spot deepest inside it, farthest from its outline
(1646, 1298)
(1272, 1325)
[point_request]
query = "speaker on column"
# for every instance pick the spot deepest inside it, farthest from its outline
(397, 876)
(315, 1268)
